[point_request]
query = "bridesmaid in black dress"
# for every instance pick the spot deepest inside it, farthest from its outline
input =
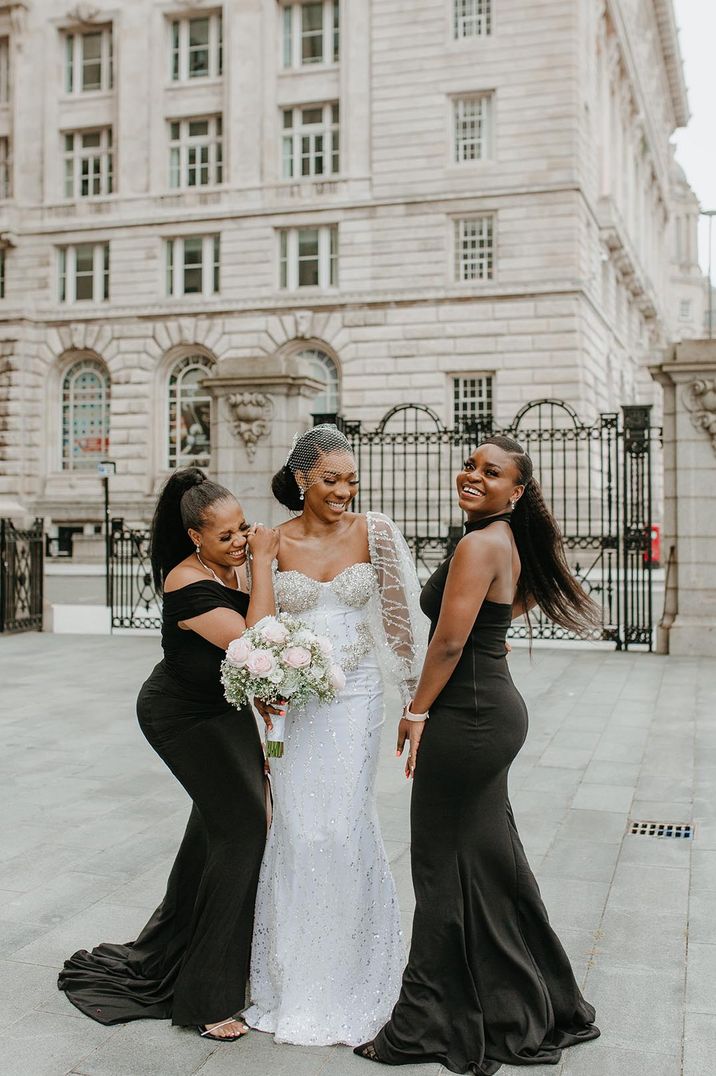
(190, 963)
(487, 981)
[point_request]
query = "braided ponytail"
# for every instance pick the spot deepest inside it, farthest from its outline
(545, 577)
(183, 503)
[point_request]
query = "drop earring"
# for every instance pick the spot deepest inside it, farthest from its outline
(198, 550)
(301, 495)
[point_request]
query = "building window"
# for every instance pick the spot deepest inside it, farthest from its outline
(195, 152)
(88, 163)
(88, 61)
(5, 169)
(189, 413)
(473, 127)
(85, 416)
(84, 272)
(193, 265)
(474, 249)
(472, 18)
(309, 257)
(310, 141)
(4, 70)
(323, 368)
(197, 48)
(311, 33)
(472, 401)
(2, 272)
(685, 309)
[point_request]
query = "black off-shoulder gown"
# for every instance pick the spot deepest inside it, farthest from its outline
(487, 980)
(190, 963)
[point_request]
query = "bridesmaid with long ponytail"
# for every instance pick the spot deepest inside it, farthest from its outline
(190, 962)
(487, 981)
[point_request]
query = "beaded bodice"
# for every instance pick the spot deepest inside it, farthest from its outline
(298, 593)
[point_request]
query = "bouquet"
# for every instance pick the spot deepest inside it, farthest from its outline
(280, 660)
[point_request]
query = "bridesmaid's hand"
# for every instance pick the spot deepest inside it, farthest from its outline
(411, 731)
(263, 541)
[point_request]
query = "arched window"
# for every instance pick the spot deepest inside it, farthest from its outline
(324, 369)
(85, 415)
(189, 413)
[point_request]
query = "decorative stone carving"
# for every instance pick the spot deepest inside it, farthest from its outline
(700, 400)
(303, 323)
(83, 12)
(251, 413)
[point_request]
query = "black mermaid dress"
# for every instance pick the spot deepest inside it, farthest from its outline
(487, 981)
(190, 963)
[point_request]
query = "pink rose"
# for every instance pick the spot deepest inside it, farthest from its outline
(260, 663)
(337, 678)
(237, 653)
(273, 632)
(296, 657)
(324, 644)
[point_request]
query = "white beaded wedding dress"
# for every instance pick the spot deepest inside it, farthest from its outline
(328, 951)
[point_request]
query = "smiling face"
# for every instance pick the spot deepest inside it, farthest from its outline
(223, 534)
(488, 483)
(330, 485)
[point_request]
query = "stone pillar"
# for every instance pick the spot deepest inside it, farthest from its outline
(688, 378)
(259, 404)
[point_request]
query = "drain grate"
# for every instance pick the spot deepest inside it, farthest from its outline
(680, 830)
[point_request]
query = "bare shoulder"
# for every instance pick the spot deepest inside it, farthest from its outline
(479, 545)
(182, 575)
(357, 521)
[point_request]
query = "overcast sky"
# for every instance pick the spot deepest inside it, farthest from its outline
(696, 144)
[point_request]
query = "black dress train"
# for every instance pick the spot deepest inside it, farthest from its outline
(487, 980)
(190, 963)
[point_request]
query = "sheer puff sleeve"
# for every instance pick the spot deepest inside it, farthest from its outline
(398, 625)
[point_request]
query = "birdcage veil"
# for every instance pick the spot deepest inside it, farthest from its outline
(307, 449)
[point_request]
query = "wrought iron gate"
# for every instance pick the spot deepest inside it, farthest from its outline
(21, 576)
(596, 478)
(133, 600)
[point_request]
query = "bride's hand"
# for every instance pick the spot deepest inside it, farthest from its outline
(411, 731)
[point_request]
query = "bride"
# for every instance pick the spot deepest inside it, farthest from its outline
(328, 952)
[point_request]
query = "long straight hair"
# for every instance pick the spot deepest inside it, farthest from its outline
(545, 576)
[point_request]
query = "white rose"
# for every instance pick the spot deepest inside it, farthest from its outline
(324, 644)
(273, 633)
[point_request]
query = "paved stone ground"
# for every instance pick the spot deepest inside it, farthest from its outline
(92, 820)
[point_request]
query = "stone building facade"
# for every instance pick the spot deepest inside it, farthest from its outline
(323, 207)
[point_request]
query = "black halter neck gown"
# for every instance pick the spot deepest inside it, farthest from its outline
(487, 981)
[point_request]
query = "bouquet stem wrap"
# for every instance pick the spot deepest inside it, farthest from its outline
(276, 735)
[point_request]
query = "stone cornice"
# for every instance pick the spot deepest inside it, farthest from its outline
(669, 37)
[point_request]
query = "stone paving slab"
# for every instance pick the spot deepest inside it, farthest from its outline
(92, 820)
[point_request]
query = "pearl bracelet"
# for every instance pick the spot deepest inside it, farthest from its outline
(410, 716)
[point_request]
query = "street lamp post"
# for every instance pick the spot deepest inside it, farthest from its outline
(106, 468)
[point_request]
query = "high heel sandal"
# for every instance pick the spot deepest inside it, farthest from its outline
(206, 1033)
(369, 1052)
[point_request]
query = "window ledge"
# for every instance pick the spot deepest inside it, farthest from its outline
(87, 95)
(194, 83)
(304, 69)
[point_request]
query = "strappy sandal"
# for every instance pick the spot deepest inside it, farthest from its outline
(369, 1052)
(206, 1033)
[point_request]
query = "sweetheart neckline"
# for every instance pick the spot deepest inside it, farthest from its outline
(323, 582)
